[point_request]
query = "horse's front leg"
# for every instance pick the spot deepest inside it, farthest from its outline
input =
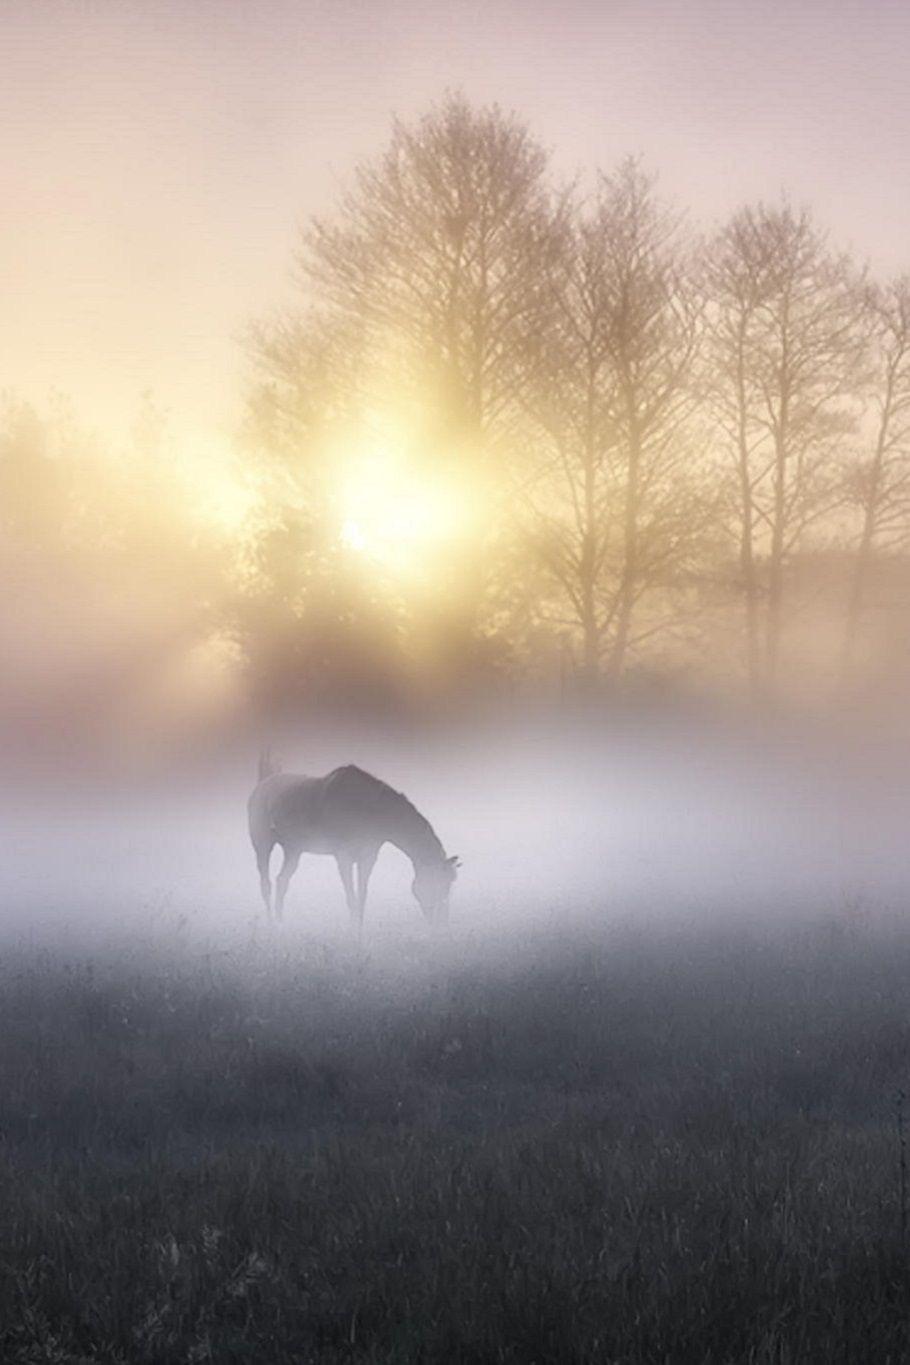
(365, 864)
(288, 868)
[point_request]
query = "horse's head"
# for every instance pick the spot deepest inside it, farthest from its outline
(431, 886)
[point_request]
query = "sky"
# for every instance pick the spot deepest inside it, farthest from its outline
(159, 156)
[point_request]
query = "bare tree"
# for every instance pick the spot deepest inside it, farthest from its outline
(618, 507)
(879, 483)
(738, 279)
(417, 291)
(438, 250)
(785, 363)
(308, 627)
(304, 379)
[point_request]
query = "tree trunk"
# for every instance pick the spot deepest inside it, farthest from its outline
(747, 511)
(629, 578)
(588, 558)
(774, 619)
(857, 598)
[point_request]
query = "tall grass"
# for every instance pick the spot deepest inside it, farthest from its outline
(605, 1149)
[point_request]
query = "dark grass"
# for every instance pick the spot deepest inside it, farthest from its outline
(675, 1148)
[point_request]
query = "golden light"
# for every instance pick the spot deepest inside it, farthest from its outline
(397, 515)
(352, 536)
(214, 484)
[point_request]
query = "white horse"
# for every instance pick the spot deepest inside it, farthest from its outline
(350, 815)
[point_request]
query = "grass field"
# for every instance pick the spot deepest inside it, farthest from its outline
(614, 1147)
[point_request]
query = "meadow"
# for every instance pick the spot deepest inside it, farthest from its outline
(578, 1144)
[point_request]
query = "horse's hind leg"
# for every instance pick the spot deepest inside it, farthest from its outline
(288, 868)
(262, 862)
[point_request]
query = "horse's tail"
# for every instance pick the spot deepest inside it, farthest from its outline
(268, 765)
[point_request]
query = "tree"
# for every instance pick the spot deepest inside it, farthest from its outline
(439, 252)
(879, 484)
(619, 507)
(785, 364)
(110, 583)
(738, 279)
(417, 292)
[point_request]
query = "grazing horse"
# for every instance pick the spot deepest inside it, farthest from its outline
(349, 814)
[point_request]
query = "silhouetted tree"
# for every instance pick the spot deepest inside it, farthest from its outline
(619, 509)
(785, 359)
(416, 292)
(439, 251)
(879, 482)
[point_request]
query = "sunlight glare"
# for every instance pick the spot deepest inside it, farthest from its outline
(395, 515)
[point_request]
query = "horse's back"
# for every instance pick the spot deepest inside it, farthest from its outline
(345, 810)
(280, 804)
(355, 784)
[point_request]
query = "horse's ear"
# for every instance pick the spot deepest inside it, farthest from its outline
(268, 765)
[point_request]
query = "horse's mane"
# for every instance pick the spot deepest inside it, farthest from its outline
(381, 788)
(385, 792)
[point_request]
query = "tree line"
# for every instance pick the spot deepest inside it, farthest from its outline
(655, 421)
(655, 444)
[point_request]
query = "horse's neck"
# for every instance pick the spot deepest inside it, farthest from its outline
(414, 835)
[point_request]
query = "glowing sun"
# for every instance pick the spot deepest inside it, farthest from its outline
(395, 515)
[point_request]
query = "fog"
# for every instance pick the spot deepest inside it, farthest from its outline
(635, 821)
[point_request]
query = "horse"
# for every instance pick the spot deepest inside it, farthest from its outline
(349, 814)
